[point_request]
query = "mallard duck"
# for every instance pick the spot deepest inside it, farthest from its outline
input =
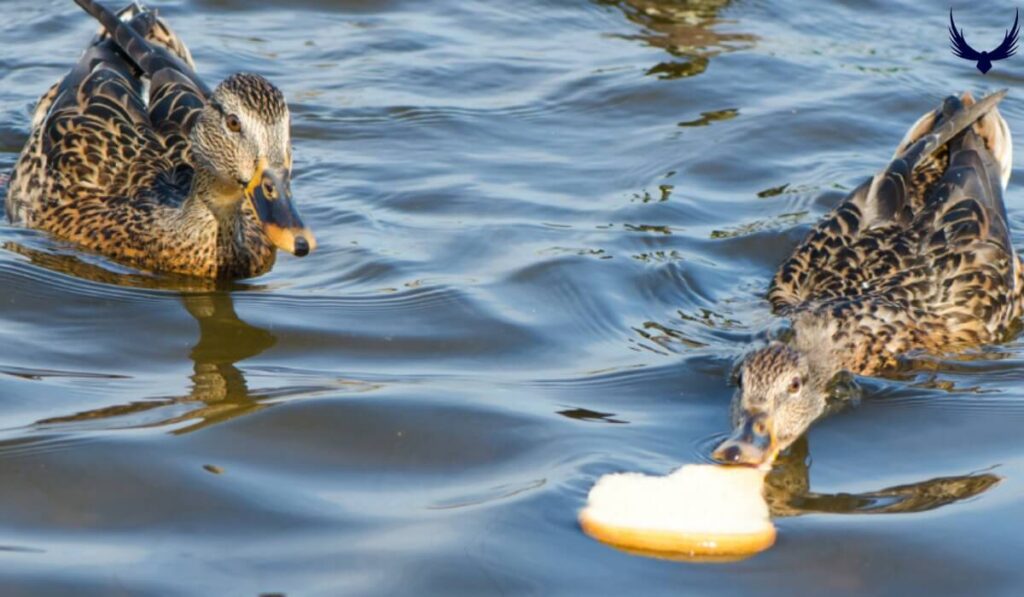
(917, 259)
(132, 156)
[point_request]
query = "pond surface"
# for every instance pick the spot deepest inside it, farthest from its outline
(545, 229)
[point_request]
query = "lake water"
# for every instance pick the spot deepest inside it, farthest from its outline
(545, 230)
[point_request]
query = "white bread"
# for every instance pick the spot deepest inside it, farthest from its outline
(698, 510)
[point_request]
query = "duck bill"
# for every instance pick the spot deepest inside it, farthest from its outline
(270, 194)
(752, 443)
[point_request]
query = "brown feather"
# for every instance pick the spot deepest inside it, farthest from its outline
(110, 169)
(933, 270)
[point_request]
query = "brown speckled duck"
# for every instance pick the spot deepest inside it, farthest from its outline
(131, 155)
(917, 259)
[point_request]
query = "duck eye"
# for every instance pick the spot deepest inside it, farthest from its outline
(233, 123)
(794, 385)
(739, 379)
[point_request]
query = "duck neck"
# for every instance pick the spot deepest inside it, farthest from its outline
(234, 244)
(812, 338)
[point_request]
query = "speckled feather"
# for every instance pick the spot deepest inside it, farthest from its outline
(108, 163)
(919, 257)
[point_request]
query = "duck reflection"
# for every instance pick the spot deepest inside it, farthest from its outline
(218, 391)
(685, 29)
(787, 491)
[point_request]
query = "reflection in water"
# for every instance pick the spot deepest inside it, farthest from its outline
(788, 493)
(685, 30)
(219, 391)
(585, 414)
(707, 118)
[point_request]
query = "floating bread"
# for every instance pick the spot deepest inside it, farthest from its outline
(698, 511)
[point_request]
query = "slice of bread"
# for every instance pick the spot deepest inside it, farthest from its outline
(698, 510)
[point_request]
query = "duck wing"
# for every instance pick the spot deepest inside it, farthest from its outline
(864, 242)
(947, 280)
(966, 250)
(176, 93)
(112, 135)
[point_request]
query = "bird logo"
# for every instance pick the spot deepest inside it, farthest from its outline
(984, 59)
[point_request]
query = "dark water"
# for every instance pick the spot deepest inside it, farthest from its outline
(545, 229)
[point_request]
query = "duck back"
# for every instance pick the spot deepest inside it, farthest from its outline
(918, 257)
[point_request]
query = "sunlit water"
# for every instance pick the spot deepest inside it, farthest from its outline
(546, 229)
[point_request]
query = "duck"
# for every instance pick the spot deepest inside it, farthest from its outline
(132, 156)
(916, 260)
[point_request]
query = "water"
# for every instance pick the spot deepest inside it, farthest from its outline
(546, 229)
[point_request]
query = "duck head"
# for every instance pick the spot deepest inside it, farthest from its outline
(780, 392)
(242, 138)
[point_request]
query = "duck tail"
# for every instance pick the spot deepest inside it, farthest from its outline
(995, 133)
(133, 44)
(901, 190)
(152, 28)
(937, 128)
(147, 57)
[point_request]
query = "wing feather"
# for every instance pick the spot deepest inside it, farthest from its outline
(869, 243)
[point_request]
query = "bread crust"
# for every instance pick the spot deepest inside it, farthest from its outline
(727, 546)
